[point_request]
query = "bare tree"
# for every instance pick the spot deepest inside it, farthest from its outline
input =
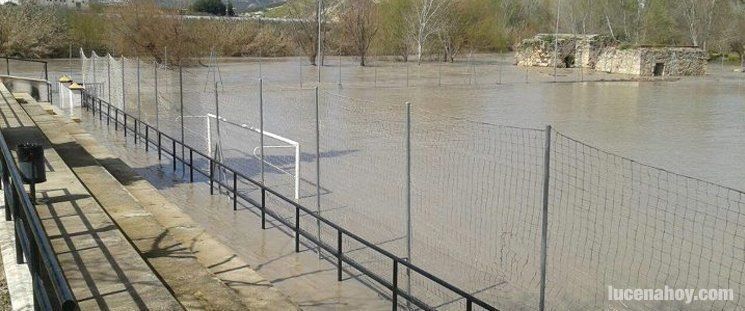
(426, 21)
(305, 25)
(143, 28)
(699, 16)
(360, 20)
(29, 31)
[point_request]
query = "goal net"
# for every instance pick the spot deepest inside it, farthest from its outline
(281, 156)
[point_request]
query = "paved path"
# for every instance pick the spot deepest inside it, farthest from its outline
(202, 273)
(103, 268)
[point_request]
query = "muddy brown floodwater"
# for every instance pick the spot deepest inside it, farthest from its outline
(475, 183)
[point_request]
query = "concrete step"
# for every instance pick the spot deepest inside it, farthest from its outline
(104, 270)
(201, 272)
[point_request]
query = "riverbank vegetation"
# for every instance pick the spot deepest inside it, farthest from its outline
(404, 29)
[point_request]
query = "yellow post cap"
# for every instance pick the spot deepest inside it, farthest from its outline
(74, 86)
(65, 79)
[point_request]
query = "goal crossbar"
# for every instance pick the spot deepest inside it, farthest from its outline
(290, 144)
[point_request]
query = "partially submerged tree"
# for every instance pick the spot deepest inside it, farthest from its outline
(359, 21)
(304, 25)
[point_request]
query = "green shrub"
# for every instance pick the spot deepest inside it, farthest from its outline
(215, 7)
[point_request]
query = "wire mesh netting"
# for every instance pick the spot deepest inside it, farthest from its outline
(616, 222)
(474, 214)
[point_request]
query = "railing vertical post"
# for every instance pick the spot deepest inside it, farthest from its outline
(6, 189)
(7, 66)
(235, 191)
(544, 218)
(108, 113)
(212, 179)
(297, 229)
(191, 165)
(339, 254)
(124, 127)
(395, 285)
(173, 145)
(116, 118)
(16, 206)
(263, 207)
(469, 305)
(159, 146)
(147, 137)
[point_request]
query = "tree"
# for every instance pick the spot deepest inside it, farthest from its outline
(29, 31)
(425, 20)
(143, 28)
(230, 10)
(214, 7)
(360, 20)
(304, 25)
(395, 35)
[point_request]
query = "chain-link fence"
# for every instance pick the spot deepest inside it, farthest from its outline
(462, 200)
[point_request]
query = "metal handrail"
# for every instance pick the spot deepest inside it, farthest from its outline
(46, 71)
(51, 290)
(89, 102)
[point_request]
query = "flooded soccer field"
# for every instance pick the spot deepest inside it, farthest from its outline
(618, 215)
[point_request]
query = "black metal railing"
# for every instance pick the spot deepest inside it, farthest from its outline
(153, 136)
(45, 71)
(50, 288)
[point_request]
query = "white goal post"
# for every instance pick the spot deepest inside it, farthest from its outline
(257, 150)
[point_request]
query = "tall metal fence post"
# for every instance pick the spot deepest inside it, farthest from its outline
(407, 74)
(499, 64)
(108, 77)
(408, 200)
(544, 219)
(261, 129)
(139, 102)
(49, 86)
(340, 69)
(7, 66)
(318, 169)
(181, 107)
(319, 57)
(157, 117)
(124, 102)
(218, 147)
(94, 59)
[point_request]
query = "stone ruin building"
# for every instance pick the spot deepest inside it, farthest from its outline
(605, 54)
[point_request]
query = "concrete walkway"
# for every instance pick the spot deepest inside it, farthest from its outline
(201, 273)
(104, 270)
